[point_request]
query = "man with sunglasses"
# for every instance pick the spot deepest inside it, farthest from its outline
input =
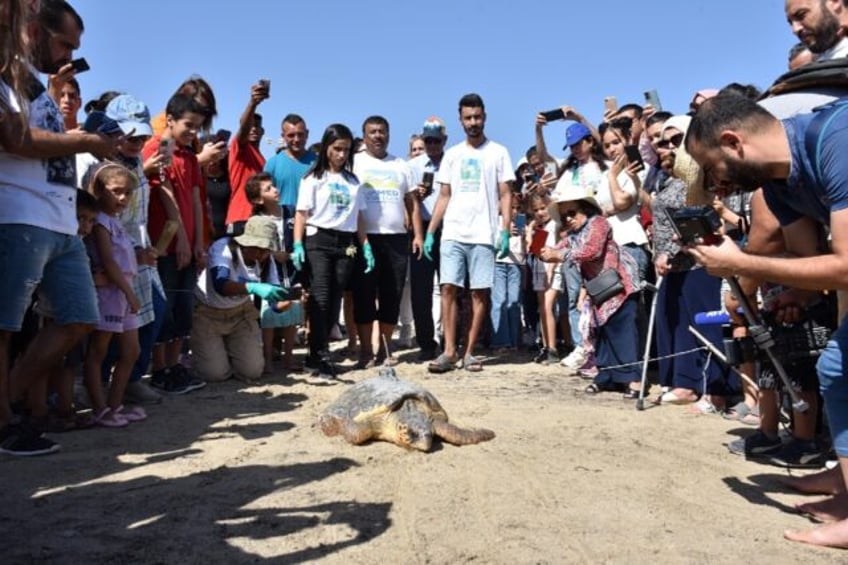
(741, 147)
(38, 231)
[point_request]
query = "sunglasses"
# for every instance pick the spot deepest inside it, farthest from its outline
(676, 140)
(570, 214)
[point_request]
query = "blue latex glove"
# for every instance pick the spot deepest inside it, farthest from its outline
(369, 257)
(298, 255)
(266, 291)
(503, 244)
(429, 241)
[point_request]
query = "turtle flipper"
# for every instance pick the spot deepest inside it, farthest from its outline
(460, 436)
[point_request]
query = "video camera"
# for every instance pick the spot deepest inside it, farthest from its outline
(695, 225)
(791, 342)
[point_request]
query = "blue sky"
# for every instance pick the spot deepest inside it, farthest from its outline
(340, 61)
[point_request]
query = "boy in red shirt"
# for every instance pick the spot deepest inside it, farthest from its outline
(175, 195)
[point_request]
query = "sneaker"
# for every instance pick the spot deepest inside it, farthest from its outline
(426, 355)
(185, 378)
(131, 413)
(405, 336)
(138, 392)
(541, 356)
(22, 441)
(168, 382)
(549, 357)
(755, 446)
(326, 370)
(575, 359)
(109, 418)
(798, 454)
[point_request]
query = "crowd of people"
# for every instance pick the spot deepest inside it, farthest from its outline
(151, 255)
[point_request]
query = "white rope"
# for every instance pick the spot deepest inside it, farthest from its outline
(637, 363)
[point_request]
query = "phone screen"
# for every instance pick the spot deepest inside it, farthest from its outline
(633, 154)
(520, 221)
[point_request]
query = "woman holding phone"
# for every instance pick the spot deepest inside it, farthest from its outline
(327, 226)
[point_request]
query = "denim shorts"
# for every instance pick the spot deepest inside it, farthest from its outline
(56, 264)
(474, 259)
(832, 368)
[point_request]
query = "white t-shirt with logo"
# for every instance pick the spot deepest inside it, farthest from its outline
(221, 255)
(38, 192)
(333, 202)
(385, 183)
(474, 175)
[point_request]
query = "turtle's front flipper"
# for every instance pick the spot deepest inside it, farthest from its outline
(460, 436)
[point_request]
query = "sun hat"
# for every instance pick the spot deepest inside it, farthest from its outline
(434, 128)
(686, 168)
(571, 193)
(576, 133)
(131, 114)
(259, 231)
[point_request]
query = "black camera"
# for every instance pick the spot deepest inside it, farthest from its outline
(695, 224)
(791, 343)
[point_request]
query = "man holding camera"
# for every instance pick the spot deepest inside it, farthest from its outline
(799, 163)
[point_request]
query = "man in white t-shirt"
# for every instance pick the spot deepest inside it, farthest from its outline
(389, 193)
(475, 177)
(39, 245)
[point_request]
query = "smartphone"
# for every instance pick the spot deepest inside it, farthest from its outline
(295, 293)
(554, 115)
(427, 180)
(80, 65)
(610, 104)
(634, 156)
(652, 98)
(166, 149)
(266, 84)
(223, 135)
(520, 221)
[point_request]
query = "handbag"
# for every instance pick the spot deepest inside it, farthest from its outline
(605, 284)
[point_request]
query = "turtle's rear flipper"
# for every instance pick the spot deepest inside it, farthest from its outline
(460, 436)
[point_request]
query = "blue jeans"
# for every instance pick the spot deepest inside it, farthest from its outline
(573, 282)
(833, 382)
(506, 306)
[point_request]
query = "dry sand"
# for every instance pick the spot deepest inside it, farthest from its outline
(235, 473)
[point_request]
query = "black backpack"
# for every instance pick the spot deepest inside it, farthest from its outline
(818, 74)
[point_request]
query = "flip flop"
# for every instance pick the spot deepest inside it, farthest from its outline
(472, 364)
(442, 364)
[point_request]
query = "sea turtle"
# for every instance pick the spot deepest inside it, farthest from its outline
(390, 409)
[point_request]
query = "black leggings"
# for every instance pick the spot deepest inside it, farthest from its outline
(385, 282)
(330, 268)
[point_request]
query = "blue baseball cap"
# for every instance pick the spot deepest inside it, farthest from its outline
(575, 134)
(131, 114)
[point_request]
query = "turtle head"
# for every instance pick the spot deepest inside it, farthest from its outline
(414, 436)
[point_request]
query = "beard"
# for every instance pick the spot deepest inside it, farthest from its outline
(745, 176)
(825, 35)
(474, 131)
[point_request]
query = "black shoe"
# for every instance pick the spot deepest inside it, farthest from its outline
(541, 356)
(326, 370)
(165, 381)
(798, 454)
(756, 446)
(186, 379)
(426, 355)
(21, 440)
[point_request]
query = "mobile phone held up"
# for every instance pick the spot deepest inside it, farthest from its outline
(652, 98)
(223, 135)
(633, 155)
(554, 115)
(610, 104)
(80, 65)
(166, 149)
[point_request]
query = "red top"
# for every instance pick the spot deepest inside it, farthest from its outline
(184, 175)
(245, 160)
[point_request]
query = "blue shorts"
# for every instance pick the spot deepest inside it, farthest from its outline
(56, 264)
(472, 259)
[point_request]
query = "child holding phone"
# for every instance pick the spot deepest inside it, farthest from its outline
(505, 313)
(546, 276)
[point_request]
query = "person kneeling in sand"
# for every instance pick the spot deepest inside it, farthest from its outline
(226, 340)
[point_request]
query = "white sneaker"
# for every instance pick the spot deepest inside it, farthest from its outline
(575, 359)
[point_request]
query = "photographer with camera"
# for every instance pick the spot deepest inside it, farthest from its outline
(799, 163)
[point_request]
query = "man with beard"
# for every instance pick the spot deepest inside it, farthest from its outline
(474, 198)
(39, 245)
(245, 159)
(742, 146)
(816, 23)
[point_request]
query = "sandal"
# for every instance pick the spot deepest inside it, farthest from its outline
(472, 364)
(442, 364)
(743, 414)
(631, 394)
(592, 388)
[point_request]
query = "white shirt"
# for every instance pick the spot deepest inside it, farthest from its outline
(837, 51)
(38, 192)
(420, 165)
(333, 202)
(385, 183)
(474, 175)
(220, 255)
